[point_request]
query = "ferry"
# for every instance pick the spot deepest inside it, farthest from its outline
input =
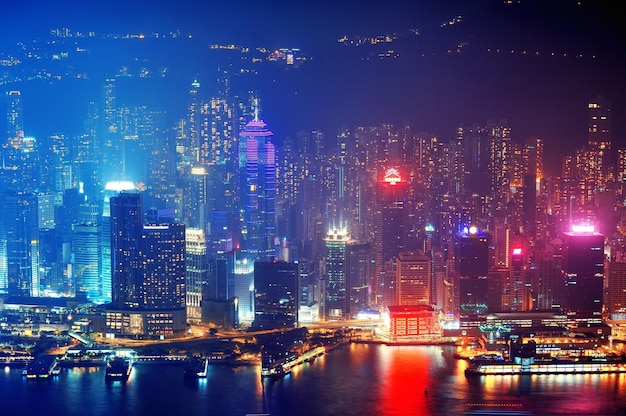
(283, 367)
(545, 367)
(120, 365)
(42, 367)
(196, 367)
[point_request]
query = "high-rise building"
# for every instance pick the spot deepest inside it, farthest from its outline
(277, 291)
(15, 116)
(19, 245)
(126, 230)
(149, 273)
(260, 191)
(471, 253)
(337, 284)
(413, 279)
(390, 232)
(87, 262)
(583, 273)
(616, 305)
(197, 272)
(111, 190)
(359, 278)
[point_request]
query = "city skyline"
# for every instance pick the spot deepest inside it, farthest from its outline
(535, 65)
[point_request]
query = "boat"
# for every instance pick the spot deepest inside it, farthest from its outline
(119, 368)
(42, 367)
(196, 367)
(555, 367)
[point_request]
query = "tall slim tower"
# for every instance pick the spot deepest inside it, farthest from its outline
(197, 271)
(390, 232)
(260, 190)
(19, 245)
(15, 118)
(583, 272)
(471, 252)
(337, 283)
(126, 230)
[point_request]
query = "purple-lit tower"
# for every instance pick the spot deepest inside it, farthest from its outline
(259, 227)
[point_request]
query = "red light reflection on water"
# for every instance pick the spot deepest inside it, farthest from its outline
(404, 380)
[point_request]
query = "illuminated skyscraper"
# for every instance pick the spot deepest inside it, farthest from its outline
(87, 262)
(413, 279)
(260, 191)
(471, 253)
(19, 245)
(15, 121)
(148, 273)
(111, 190)
(126, 230)
(337, 284)
(197, 271)
(390, 232)
(583, 273)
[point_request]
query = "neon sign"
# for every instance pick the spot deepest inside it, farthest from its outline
(392, 176)
(583, 229)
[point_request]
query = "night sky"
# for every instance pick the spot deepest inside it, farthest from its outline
(505, 68)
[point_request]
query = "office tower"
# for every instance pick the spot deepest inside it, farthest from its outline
(471, 253)
(359, 278)
(413, 279)
(260, 190)
(111, 190)
(148, 263)
(15, 115)
(516, 295)
(19, 245)
(198, 198)
(244, 288)
(126, 230)
(390, 231)
(162, 260)
(45, 201)
(197, 271)
(583, 274)
(87, 253)
(337, 284)
(616, 305)
(277, 291)
(20, 165)
(192, 144)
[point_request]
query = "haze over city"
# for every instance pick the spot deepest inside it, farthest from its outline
(351, 207)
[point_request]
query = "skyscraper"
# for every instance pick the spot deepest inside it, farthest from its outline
(149, 269)
(15, 116)
(583, 274)
(88, 262)
(126, 230)
(277, 294)
(260, 190)
(197, 271)
(390, 232)
(413, 279)
(337, 285)
(19, 245)
(471, 253)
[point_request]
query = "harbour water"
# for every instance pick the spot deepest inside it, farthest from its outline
(356, 379)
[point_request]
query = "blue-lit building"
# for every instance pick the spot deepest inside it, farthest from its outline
(149, 272)
(259, 228)
(19, 245)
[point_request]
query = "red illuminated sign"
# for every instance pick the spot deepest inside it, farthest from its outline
(392, 176)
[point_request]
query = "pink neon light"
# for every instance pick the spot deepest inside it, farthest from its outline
(579, 228)
(517, 251)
